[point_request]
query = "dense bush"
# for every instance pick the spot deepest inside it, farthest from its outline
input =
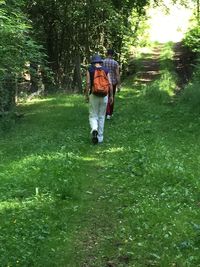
(192, 39)
(16, 48)
(191, 93)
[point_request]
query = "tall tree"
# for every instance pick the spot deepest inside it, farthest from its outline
(16, 48)
(72, 30)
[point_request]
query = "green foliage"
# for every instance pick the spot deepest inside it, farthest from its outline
(191, 92)
(16, 48)
(16, 45)
(135, 35)
(192, 39)
(191, 95)
(158, 91)
(7, 122)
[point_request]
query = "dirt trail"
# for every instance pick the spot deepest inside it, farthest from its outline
(182, 60)
(150, 67)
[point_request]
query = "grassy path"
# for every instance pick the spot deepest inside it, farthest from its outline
(133, 201)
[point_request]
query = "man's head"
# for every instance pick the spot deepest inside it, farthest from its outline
(110, 52)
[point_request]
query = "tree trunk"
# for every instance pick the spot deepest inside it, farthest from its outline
(198, 10)
(77, 78)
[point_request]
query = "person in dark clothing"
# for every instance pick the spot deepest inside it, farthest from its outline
(113, 67)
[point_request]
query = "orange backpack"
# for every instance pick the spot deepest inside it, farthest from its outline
(101, 83)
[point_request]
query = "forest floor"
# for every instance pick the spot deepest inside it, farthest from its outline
(131, 202)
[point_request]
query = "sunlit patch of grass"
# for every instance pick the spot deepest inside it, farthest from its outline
(9, 204)
(163, 89)
(88, 159)
(43, 172)
(39, 100)
(114, 149)
(32, 224)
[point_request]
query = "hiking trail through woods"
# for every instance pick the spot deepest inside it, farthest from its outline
(150, 66)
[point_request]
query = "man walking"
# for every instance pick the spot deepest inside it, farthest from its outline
(113, 67)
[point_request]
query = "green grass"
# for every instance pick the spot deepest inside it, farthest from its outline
(162, 90)
(190, 96)
(132, 201)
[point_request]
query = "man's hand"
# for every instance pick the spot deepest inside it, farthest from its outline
(111, 100)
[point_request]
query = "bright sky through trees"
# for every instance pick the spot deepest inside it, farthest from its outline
(169, 26)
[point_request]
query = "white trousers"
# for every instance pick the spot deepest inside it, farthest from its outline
(97, 112)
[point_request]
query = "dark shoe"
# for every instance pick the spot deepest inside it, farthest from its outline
(94, 137)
